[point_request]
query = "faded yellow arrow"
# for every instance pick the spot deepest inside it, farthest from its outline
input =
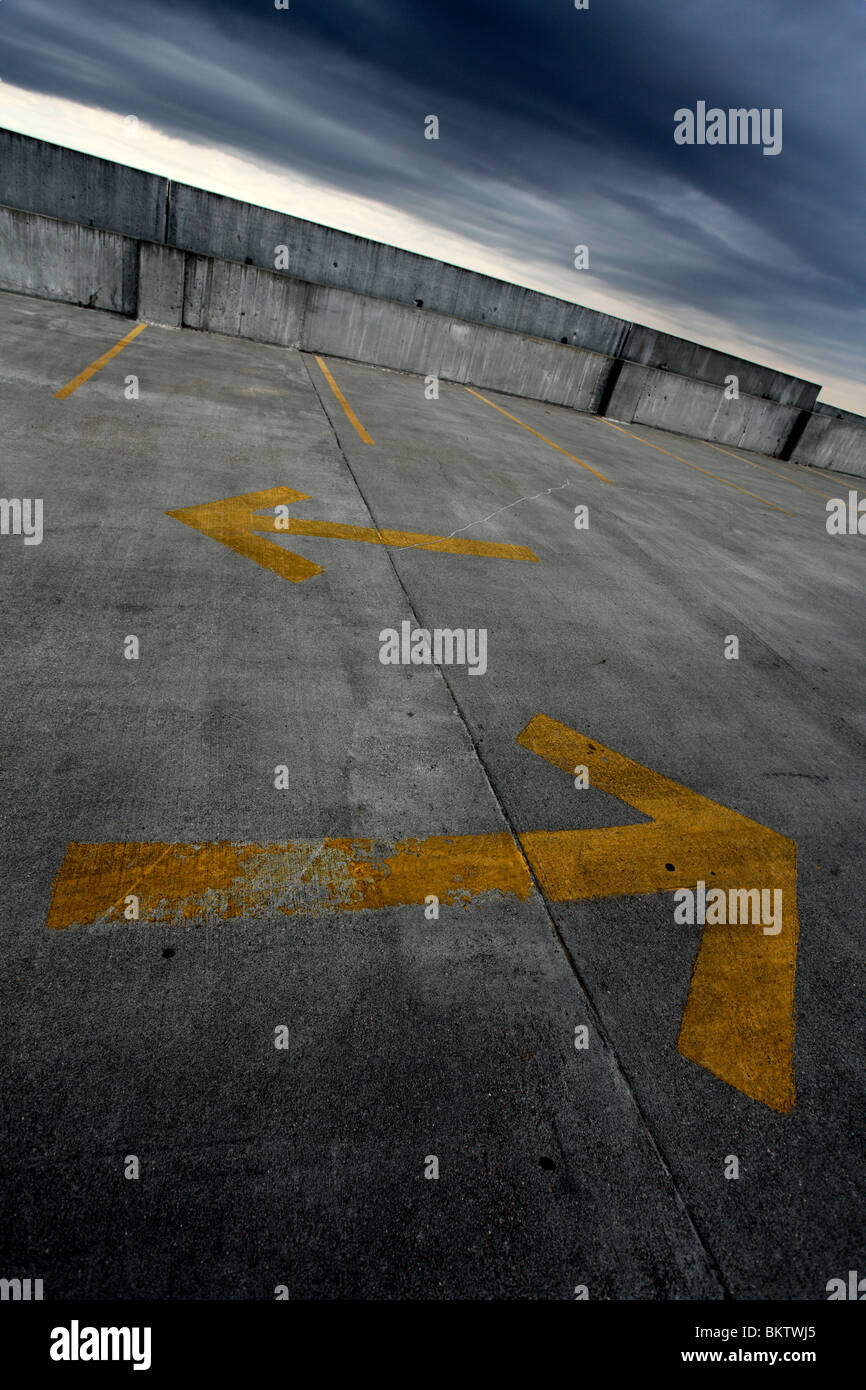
(232, 522)
(739, 1017)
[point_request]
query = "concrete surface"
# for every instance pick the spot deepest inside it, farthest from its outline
(161, 282)
(408, 1038)
(37, 176)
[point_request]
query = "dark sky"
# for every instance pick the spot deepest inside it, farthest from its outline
(556, 128)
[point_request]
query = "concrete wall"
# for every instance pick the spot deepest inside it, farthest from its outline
(75, 187)
(830, 443)
(49, 179)
(822, 408)
(392, 335)
(40, 177)
(225, 297)
(64, 260)
(662, 350)
(648, 396)
(82, 265)
(212, 225)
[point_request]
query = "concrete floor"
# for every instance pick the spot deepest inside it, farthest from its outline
(304, 1166)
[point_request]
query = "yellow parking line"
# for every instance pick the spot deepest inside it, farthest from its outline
(343, 402)
(697, 469)
(772, 471)
(94, 367)
(540, 436)
(823, 473)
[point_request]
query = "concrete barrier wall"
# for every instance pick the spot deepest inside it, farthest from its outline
(161, 284)
(62, 260)
(40, 177)
(830, 443)
(224, 297)
(647, 396)
(662, 350)
(822, 408)
(392, 335)
(82, 265)
(224, 227)
(74, 187)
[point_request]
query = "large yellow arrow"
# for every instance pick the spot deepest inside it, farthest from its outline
(232, 522)
(739, 1017)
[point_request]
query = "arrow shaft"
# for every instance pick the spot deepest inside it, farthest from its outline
(177, 883)
(625, 860)
(224, 879)
(400, 540)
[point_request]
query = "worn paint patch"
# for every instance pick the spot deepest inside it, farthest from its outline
(181, 883)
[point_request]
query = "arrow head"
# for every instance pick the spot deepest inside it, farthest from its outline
(233, 523)
(738, 1021)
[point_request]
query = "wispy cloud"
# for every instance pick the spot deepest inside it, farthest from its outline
(556, 129)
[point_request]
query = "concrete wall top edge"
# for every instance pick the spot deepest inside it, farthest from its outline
(837, 413)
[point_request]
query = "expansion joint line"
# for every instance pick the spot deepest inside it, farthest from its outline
(498, 798)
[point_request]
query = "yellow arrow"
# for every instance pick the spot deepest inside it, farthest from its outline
(232, 522)
(738, 1021)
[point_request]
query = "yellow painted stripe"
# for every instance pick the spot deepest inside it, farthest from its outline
(827, 474)
(772, 471)
(543, 437)
(100, 362)
(343, 402)
(705, 471)
(401, 540)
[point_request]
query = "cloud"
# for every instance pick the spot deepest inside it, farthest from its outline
(556, 128)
